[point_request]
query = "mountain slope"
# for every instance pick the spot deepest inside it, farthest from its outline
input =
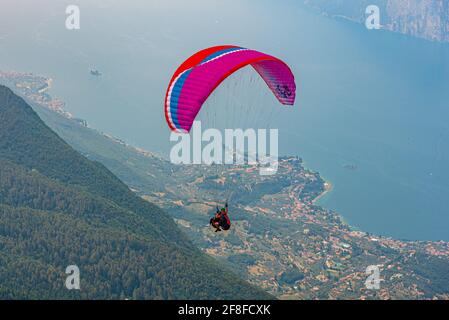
(27, 141)
(268, 250)
(58, 208)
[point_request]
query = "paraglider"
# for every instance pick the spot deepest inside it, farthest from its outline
(221, 219)
(195, 80)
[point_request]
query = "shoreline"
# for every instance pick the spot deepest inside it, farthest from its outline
(328, 187)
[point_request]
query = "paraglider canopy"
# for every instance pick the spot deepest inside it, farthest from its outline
(202, 73)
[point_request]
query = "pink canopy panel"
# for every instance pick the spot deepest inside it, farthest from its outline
(202, 73)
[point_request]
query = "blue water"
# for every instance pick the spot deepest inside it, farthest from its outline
(371, 99)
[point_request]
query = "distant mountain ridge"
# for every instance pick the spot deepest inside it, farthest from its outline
(416, 270)
(58, 208)
(427, 19)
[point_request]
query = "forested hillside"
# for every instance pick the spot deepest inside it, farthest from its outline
(58, 208)
(428, 19)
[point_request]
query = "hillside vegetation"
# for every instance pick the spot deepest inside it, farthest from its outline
(58, 208)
